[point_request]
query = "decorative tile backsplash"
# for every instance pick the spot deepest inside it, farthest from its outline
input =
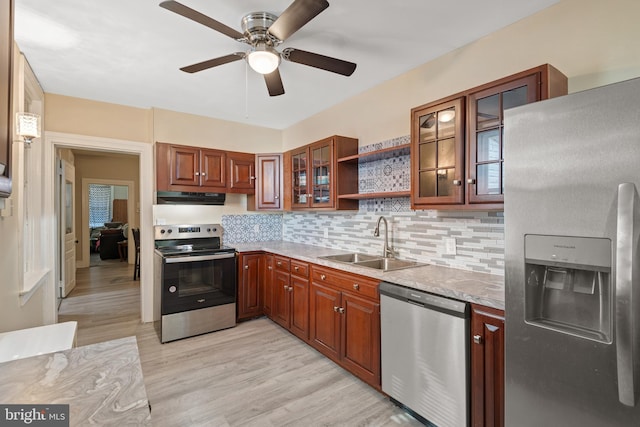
(417, 235)
(251, 228)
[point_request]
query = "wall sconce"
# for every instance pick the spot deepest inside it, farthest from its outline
(28, 126)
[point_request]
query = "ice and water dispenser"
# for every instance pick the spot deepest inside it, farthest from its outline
(568, 285)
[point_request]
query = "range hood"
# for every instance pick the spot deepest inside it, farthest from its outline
(189, 198)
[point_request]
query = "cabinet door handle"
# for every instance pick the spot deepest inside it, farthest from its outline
(202, 173)
(270, 268)
(246, 267)
(197, 173)
(276, 197)
(477, 339)
(252, 177)
(290, 288)
(341, 310)
(457, 182)
(335, 308)
(356, 286)
(471, 181)
(322, 276)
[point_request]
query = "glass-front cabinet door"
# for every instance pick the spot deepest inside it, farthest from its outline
(437, 147)
(485, 182)
(321, 155)
(300, 197)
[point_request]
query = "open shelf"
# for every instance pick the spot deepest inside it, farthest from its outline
(382, 195)
(383, 153)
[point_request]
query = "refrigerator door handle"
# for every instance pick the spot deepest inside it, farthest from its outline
(624, 287)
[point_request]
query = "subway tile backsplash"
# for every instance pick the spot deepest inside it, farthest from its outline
(417, 235)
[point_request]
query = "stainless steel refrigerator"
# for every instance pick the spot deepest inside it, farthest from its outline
(572, 221)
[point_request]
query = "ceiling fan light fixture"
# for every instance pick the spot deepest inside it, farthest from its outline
(263, 59)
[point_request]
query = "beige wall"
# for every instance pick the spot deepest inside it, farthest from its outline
(85, 117)
(188, 129)
(590, 41)
(104, 167)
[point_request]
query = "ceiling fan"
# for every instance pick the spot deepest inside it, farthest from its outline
(264, 31)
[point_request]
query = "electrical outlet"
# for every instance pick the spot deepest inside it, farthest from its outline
(256, 228)
(450, 246)
(326, 232)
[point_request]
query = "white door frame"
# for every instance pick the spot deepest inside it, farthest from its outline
(55, 140)
(131, 201)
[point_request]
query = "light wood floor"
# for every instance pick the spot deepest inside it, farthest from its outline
(255, 374)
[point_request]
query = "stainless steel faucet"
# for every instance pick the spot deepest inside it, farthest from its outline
(387, 252)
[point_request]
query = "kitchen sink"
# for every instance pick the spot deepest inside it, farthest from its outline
(388, 264)
(350, 258)
(373, 261)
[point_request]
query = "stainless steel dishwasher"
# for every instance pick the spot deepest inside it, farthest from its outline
(425, 354)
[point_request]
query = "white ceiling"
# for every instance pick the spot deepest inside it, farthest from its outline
(129, 51)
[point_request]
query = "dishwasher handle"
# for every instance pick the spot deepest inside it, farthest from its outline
(433, 302)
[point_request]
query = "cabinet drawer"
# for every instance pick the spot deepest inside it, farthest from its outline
(359, 285)
(281, 263)
(299, 268)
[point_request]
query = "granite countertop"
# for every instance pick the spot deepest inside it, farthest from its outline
(480, 288)
(102, 383)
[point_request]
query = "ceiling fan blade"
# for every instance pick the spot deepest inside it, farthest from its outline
(316, 60)
(296, 16)
(213, 62)
(274, 83)
(194, 15)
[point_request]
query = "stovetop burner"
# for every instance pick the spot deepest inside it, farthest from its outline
(189, 239)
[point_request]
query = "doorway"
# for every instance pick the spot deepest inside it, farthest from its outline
(144, 153)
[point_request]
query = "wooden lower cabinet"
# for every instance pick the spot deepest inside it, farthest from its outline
(290, 308)
(267, 285)
(345, 321)
(487, 366)
(249, 290)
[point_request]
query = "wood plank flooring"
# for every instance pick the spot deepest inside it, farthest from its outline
(255, 374)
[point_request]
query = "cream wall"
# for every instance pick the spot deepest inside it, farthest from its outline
(104, 167)
(188, 129)
(85, 117)
(592, 42)
(15, 313)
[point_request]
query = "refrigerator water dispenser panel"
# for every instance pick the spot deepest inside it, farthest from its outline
(568, 285)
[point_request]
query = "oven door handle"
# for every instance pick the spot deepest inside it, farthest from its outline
(172, 260)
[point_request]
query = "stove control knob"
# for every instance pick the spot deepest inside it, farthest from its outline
(172, 289)
(214, 230)
(208, 230)
(169, 231)
(162, 231)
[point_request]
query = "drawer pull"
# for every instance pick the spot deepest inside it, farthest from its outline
(279, 264)
(356, 286)
(322, 276)
(296, 268)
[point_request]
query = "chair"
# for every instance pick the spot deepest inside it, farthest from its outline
(136, 241)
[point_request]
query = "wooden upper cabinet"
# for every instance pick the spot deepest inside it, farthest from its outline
(241, 171)
(197, 169)
(212, 168)
(476, 181)
(437, 155)
(315, 177)
(268, 182)
(184, 166)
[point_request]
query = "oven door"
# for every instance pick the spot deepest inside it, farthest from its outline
(197, 281)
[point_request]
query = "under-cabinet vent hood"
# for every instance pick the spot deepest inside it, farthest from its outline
(189, 198)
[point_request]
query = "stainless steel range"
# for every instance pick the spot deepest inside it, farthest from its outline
(195, 279)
